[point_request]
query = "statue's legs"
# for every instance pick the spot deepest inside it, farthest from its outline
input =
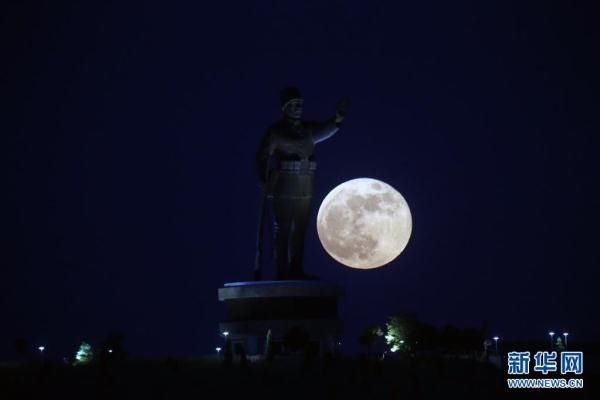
(291, 209)
(283, 215)
(291, 220)
(298, 235)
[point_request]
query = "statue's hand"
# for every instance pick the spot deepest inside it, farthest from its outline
(272, 146)
(342, 109)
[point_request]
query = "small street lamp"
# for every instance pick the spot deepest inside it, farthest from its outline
(496, 340)
(565, 335)
(226, 343)
(551, 339)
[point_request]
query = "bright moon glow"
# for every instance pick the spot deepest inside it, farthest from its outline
(364, 223)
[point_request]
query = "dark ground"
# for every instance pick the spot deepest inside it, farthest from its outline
(433, 378)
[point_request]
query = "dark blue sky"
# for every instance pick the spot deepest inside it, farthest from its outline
(131, 132)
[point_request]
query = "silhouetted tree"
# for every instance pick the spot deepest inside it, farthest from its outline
(22, 347)
(112, 347)
(369, 336)
(484, 328)
(461, 341)
(471, 340)
(405, 333)
(84, 355)
(450, 338)
(400, 332)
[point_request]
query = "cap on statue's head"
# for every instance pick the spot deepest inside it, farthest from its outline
(288, 95)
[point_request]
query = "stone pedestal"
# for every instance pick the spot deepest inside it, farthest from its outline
(254, 308)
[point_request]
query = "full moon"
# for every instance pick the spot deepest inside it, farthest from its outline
(364, 223)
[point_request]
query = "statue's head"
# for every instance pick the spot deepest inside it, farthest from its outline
(292, 102)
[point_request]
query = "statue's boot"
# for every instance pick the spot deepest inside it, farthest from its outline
(257, 276)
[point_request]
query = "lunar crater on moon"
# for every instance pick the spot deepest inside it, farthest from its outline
(364, 223)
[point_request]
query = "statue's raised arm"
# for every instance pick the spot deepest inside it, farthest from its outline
(325, 130)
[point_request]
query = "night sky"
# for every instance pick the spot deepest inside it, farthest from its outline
(130, 134)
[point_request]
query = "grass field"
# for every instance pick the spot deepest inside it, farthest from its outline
(348, 378)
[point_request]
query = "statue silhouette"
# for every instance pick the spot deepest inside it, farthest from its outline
(286, 166)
